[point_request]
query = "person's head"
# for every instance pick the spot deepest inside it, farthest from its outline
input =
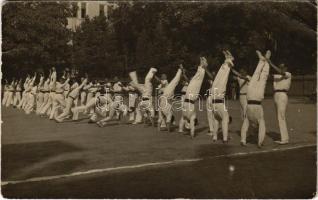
(116, 79)
(184, 83)
(283, 68)
(243, 72)
(108, 85)
(163, 77)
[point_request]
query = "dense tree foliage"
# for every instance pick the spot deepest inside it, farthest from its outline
(94, 48)
(34, 35)
(140, 35)
(160, 34)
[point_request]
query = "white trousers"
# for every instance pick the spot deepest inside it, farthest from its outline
(281, 101)
(5, 97)
(255, 115)
(9, 100)
(217, 113)
(243, 103)
(31, 103)
(144, 107)
(17, 98)
(132, 97)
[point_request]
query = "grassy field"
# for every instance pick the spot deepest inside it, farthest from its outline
(77, 159)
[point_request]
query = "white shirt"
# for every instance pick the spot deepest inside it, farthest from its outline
(257, 84)
(117, 88)
(220, 82)
(34, 90)
(75, 85)
(282, 82)
(18, 89)
(46, 87)
(59, 87)
(147, 87)
(243, 84)
(67, 87)
(195, 84)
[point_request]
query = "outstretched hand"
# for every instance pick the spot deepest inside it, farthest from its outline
(228, 57)
(203, 62)
(259, 54)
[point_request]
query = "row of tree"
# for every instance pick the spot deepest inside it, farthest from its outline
(141, 35)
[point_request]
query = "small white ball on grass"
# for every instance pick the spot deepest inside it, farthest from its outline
(231, 168)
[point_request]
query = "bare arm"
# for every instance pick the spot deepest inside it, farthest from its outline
(87, 86)
(66, 82)
(185, 76)
(83, 83)
(53, 77)
(209, 74)
(157, 78)
(275, 67)
(41, 81)
(236, 73)
(33, 79)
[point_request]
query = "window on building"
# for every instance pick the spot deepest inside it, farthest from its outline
(101, 10)
(83, 10)
(74, 9)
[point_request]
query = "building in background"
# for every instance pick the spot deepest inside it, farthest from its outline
(89, 9)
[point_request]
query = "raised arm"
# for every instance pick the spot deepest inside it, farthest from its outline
(236, 73)
(185, 76)
(12, 82)
(209, 74)
(157, 78)
(53, 75)
(83, 83)
(33, 80)
(275, 67)
(65, 82)
(86, 87)
(27, 79)
(204, 64)
(41, 81)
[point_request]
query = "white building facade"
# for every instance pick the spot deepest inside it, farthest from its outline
(90, 9)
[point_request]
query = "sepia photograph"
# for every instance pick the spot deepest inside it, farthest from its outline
(159, 99)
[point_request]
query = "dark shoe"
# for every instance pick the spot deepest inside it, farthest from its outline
(196, 122)
(169, 127)
(91, 121)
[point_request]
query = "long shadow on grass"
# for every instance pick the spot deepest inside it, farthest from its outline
(17, 157)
